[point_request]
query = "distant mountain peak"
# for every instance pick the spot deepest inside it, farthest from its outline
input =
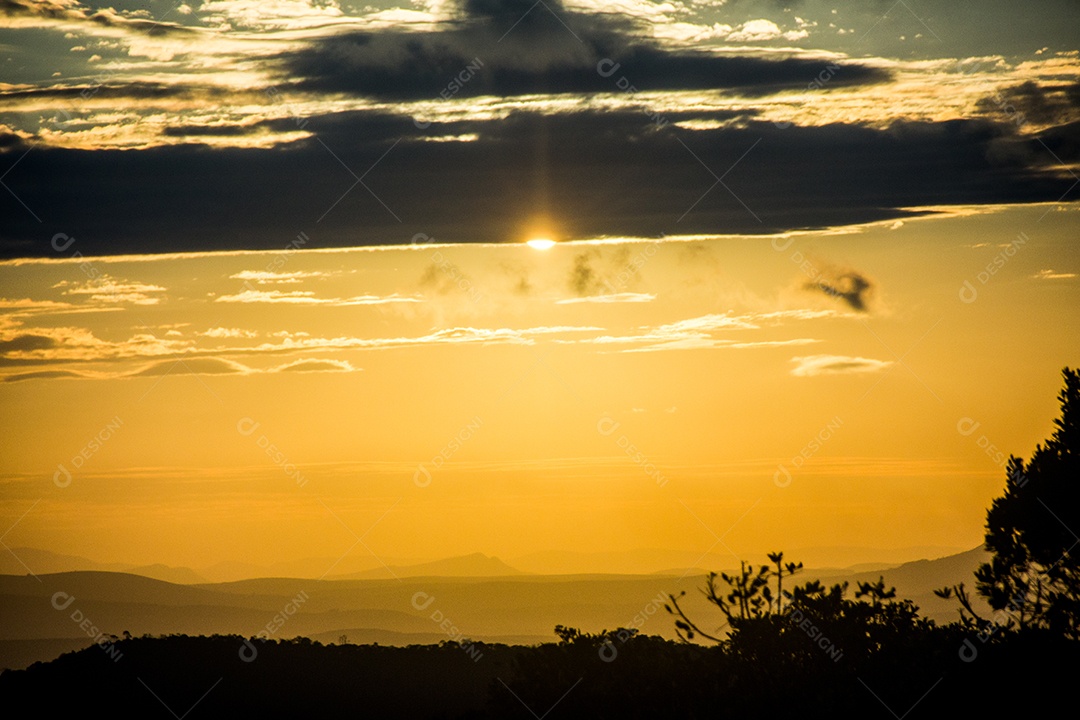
(475, 564)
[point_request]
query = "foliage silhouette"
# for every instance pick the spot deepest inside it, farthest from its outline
(1033, 578)
(815, 620)
(749, 596)
(771, 663)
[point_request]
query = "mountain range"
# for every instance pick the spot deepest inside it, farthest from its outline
(474, 596)
(639, 561)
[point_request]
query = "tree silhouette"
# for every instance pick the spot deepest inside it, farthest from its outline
(876, 592)
(792, 568)
(749, 596)
(1033, 579)
(811, 637)
(757, 622)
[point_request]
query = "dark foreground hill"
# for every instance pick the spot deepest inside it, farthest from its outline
(612, 676)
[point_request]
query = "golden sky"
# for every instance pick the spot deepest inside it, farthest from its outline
(267, 295)
(698, 394)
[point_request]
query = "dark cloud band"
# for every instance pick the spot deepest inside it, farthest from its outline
(517, 47)
(596, 173)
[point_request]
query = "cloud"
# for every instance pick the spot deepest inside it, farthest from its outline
(602, 273)
(1051, 275)
(28, 307)
(222, 332)
(209, 130)
(814, 365)
(307, 297)
(798, 314)
(517, 47)
(63, 13)
(223, 366)
(130, 89)
(626, 297)
(709, 323)
(708, 343)
(64, 346)
(849, 287)
(29, 303)
(762, 30)
(41, 345)
(26, 343)
(489, 335)
(190, 366)
(472, 192)
(1032, 102)
(316, 365)
(107, 289)
(280, 15)
(45, 375)
(707, 332)
(193, 366)
(263, 277)
(583, 278)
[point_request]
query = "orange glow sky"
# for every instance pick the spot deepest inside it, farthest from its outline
(532, 372)
(267, 294)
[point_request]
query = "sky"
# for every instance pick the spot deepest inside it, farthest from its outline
(266, 292)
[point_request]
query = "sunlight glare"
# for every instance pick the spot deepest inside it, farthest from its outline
(541, 243)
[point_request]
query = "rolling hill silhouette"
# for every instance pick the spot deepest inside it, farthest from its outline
(18, 561)
(495, 608)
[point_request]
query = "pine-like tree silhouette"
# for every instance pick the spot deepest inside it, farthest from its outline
(1033, 577)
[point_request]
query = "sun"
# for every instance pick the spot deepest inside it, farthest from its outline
(540, 243)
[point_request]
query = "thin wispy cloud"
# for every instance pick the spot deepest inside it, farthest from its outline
(709, 343)
(43, 347)
(265, 277)
(223, 332)
(626, 297)
(107, 289)
(191, 366)
(316, 365)
(308, 297)
(1053, 275)
(709, 332)
(814, 365)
